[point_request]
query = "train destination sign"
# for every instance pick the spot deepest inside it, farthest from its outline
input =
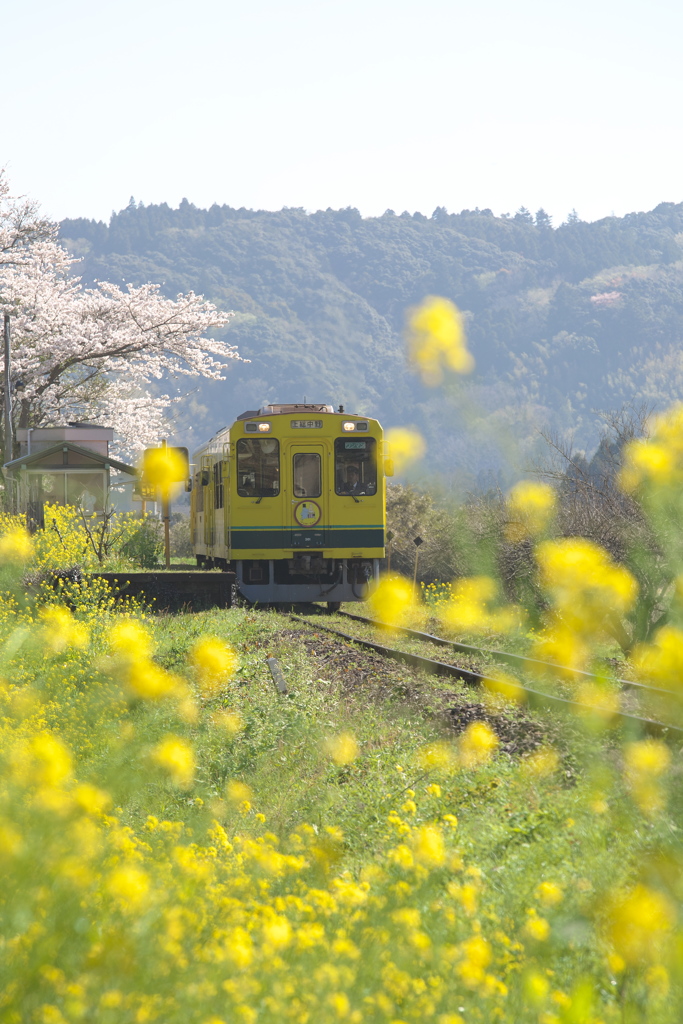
(302, 424)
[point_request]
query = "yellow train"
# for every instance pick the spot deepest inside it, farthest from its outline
(293, 498)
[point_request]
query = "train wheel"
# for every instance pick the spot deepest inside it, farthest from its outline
(333, 606)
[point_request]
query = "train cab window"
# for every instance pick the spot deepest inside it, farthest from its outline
(198, 493)
(355, 466)
(307, 476)
(258, 467)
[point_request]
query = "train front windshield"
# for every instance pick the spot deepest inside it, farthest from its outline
(258, 467)
(355, 465)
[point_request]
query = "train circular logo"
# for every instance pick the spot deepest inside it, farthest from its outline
(307, 513)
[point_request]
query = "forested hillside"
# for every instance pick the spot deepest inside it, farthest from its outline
(562, 321)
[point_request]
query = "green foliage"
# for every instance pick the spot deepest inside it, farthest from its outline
(561, 321)
(145, 545)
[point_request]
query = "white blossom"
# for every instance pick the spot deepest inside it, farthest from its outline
(93, 353)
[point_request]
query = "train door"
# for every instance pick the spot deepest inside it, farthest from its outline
(310, 495)
(226, 499)
(207, 480)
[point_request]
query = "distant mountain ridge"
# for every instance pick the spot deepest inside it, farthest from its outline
(561, 321)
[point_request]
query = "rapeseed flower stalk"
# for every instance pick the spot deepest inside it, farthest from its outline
(436, 340)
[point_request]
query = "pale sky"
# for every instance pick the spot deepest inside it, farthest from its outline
(369, 103)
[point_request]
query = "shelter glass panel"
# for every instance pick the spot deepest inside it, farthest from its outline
(87, 490)
(47, 487)
(355, 465)
(307, 475)
(258, 467)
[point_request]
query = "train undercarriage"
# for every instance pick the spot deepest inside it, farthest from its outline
(304, 578)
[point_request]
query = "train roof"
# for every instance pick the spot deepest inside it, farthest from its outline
(285, 410)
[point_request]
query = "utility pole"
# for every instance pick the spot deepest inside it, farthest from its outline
(166, 514)
(417, 541)
(7, 424)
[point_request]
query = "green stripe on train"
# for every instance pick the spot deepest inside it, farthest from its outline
(244, 539)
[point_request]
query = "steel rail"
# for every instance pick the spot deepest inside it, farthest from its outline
(515, 660)
(442, 668)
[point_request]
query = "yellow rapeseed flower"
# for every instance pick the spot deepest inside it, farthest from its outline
(646, 758)
(392, 601)
(164, 468)
(662, 660)
(147, 680)
(645, 761)
(129, 885)
(92, 799)
(639, 925)
(176, 757)
(576, 571)
(404, 446)
(429, 847)
(51, 760)
(130, 639)
(16, 547)
(229, 722)
(659, 460)
(436, 339)
(61, 630)
(214, 662)
(238, 792)
(277, 931)
(343, 749)
(536, 927)
(477, 744)
(506, 686)
(549, 893)
(440, 756)
(471, 607)
(531, 506)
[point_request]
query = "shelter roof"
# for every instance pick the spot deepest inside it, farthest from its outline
(44, 454)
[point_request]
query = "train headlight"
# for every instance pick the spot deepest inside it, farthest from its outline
(264, 428)
(348, 426)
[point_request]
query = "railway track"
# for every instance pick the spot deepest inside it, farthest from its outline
(533, 696)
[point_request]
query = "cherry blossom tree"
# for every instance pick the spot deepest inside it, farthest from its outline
(94, 352)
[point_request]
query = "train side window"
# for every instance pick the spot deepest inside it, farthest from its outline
(355, 466)
(218, 484)
(307, 476)
(258, 467)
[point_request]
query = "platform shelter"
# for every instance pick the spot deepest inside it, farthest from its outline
(67, 465)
